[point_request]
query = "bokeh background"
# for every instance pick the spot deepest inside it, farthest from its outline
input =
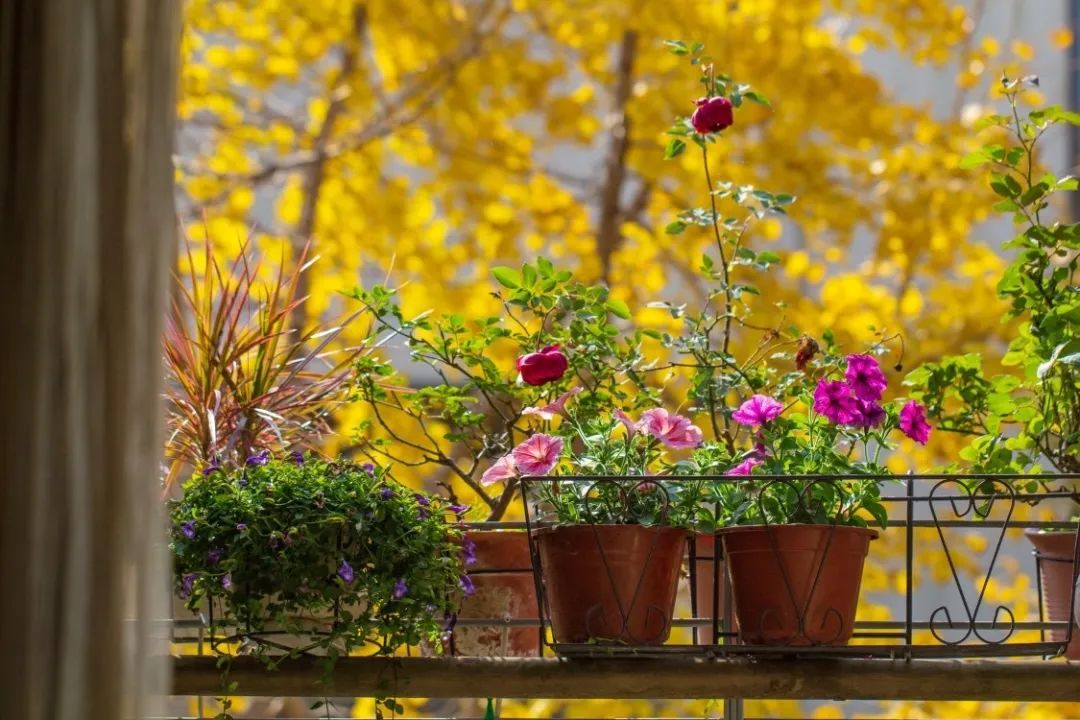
(428, 140)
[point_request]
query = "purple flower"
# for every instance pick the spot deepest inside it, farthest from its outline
(422, 500)
(188, 529)
(865, 377)
(870, 415)
(241, 527)
(226, 582)
(260, 458)
(386, 493)
(833, 400)
(467, 586)
(758, 410)
(913, 422)
(423, 513)
(213, 467)
(186, 585)
(214, 556)
(401, 589)
(746, 467)
(345, 572)
(459, 510)
(297, 456)
(468, 551)
(369, 468)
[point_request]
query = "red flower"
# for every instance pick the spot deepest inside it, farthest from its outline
(540, 368)
(712, 115)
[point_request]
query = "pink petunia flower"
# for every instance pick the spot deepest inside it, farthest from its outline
(503, 469)
(557, 407)
(674, 431)
(913, 422)
(865, 377)
(627, 421)
(746, 467)
(833, 400)
(758, 410)
(538, 455)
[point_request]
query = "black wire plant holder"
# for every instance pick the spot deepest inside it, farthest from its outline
(963, 626)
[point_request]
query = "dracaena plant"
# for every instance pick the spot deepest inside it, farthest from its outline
(780, 404)
(1026, 420)
(239, 379)
(556, 338)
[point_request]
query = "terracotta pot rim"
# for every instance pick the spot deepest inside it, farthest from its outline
(1036, 532)
(734, 529)
(608, 526)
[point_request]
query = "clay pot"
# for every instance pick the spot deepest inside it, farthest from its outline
(1055, 553)
(610, 583)
(795, 584)
(709, 585)
(505, 590)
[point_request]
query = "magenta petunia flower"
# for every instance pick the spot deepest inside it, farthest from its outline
(538, 455)
(503, 469)
(865, 377)
(832, 398)
(870, 415)
(746, 467)
(544, 366)
(557, 407)
(913, 422)
(673, 430)
(712, 115)
(758, 410)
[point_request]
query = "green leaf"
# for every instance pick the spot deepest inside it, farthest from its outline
(675, 228)
(618, 308)
(757, 97)
(674, 148)
(974, 159)
(528, 275)
(677, 47)
(768, 257)
(507, 277)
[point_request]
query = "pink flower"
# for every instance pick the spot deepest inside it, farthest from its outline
(712, 115)
(758, 410)
(870, 415)
(503, 469)
(833, 400)
(672, 430)
(540, 368)
(913, 422)
(558, 407)
(865, 377)
(538, 455)
(746, 467)
(627, 421)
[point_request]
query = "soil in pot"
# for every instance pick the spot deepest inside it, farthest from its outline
(1054, 551)
(709, 586)
(795, 584)
(610, 583)
(505, 590)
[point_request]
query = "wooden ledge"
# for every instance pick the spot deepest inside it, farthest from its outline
(669, 678)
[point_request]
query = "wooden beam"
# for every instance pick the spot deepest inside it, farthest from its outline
(670, 678)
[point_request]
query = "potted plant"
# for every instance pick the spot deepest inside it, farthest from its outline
(308, 555)
(1026, 420)
(490, 381)
(773, 374)
(611, 534)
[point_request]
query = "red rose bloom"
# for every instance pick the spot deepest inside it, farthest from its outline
(540, 368)
(712, 115)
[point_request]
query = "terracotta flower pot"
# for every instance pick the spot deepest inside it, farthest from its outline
(1055, 553)
(709, 587)
(610, 583)
(795, 584)
(505, 590)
